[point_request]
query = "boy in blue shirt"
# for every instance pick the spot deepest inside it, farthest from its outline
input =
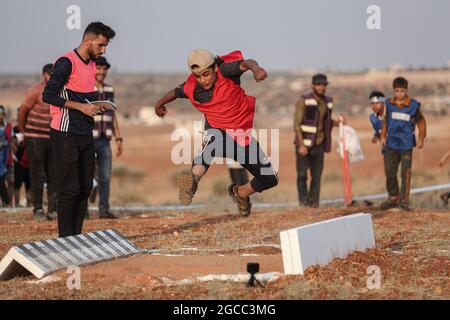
(398, 138)
(377, 101)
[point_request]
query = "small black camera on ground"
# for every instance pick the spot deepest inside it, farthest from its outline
(253, 268)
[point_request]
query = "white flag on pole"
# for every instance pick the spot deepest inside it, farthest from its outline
(352, 144)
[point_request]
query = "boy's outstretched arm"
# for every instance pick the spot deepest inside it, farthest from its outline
(258, 73)
(160, 108)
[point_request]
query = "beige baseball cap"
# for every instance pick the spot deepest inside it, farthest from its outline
(199, 60)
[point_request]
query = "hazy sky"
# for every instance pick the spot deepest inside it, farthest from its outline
(157, 35)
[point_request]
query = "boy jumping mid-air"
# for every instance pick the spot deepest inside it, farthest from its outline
(214, 89)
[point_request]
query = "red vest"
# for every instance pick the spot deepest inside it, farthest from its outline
(230, 108)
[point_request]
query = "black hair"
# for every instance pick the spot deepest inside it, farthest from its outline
(218, 61)
(47, 68)
(101, 61)
(400, 82)
(376, 94)
(99, 29)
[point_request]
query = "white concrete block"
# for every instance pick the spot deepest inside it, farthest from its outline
(320, 243)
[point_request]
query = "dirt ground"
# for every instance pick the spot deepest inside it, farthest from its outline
(412, 252)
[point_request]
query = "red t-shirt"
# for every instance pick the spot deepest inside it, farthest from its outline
(230, 108)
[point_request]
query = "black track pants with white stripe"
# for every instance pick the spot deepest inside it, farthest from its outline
(75, 159)
(219, 144)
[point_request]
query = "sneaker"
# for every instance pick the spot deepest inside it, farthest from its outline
(52, 216)
(244, 205)
(389, 204)
(39, 215)
(107, 215)
(186, 187)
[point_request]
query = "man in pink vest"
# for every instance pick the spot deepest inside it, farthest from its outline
(70, 88)
(214, 89)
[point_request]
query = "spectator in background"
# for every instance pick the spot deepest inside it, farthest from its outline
(21, 173)
(313, 123)
(377, 103)
(34, 122)
(398, 137)
(10, 168)
(106, 126)
(10, 171)
(5, 139)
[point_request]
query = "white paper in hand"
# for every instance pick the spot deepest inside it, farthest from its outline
(108, 105)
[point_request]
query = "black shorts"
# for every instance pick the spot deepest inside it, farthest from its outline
(218, 144)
